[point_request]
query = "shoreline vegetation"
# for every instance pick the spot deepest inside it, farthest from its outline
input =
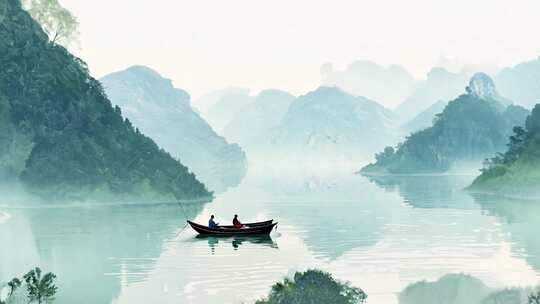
(316, 286)
(517, 171)
(39, 288)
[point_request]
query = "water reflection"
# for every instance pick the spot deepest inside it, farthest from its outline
(521, 219)
(237, 241)
(97, 245)
(429, 191)
(332, 211)
(381, 235)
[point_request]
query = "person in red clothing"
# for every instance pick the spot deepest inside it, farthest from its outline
(236, 222)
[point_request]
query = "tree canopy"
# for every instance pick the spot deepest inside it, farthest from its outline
(517, 169)
(41, 289)
(60, 24)
(314, 286)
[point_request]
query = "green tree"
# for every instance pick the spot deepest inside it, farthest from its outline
(58, 22)
(533, 121)
(13, 285)
(385, 156)
(515, 146)
(314, 286)
(40, 289)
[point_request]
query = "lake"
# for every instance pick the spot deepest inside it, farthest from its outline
(380, 234)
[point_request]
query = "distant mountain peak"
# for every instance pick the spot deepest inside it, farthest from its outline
(151, 86)
(482, 86)
(143, 69)
(325, 89)
(438, 72)
(145, 73)
(367, 78)
(270, 93)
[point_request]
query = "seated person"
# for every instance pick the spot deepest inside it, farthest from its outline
(211, 222)
(236, 222)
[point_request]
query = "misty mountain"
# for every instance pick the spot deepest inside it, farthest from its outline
(388, 85)
(329, 124)
(206, 101)
(439, 85)
(470, 127)
(229, 103)
(521, 83)
(164, 113)
(61, 136)
(252, 126)
(425, 118)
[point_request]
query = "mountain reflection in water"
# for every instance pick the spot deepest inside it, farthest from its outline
(381, 235)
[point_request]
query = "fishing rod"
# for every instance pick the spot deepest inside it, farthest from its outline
(182, 207)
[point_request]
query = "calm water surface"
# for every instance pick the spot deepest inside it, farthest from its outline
(380, 234)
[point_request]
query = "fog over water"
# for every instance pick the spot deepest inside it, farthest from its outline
(381, 234)
(383, 137)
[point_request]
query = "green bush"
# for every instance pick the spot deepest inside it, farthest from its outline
(314, 286)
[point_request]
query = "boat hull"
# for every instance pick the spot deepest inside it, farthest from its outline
(261, 229)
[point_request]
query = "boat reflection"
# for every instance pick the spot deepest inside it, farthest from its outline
(237, 241)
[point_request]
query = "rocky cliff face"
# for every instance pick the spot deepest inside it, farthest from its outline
(164, 113)
(482, 86)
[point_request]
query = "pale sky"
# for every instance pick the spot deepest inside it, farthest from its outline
(204, 45)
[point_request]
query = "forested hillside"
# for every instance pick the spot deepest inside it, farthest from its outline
(517, 171)
(165, 113)
(472, 126)
(60, 134)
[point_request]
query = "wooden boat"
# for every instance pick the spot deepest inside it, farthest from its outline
(250, 229)
(255, 224)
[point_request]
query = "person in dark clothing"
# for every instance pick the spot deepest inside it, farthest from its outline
(236, 222)
(211, 222)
